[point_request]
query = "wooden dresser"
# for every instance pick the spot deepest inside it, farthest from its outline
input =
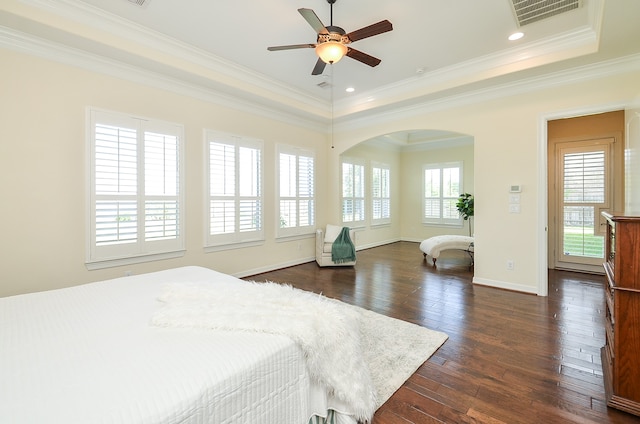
(621, 353)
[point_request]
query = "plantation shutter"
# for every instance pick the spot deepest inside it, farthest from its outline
(162, 181)
(116, 185)
(288, 182)
(433, 201)
(442, 187)
(222, 188)
(249, 189)
(296, 195)
(353, 183)
(306, 191)
(450, 192)
(136, 196)
(381, 202)
(584, 179)
(235, 190)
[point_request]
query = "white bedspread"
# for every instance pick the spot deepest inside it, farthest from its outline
(88, 354)
(327, 332)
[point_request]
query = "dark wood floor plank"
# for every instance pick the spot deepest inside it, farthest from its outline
(510, 357)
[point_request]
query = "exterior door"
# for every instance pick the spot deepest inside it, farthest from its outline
(583, 190)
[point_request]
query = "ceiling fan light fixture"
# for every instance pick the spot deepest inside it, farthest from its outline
(331, 51)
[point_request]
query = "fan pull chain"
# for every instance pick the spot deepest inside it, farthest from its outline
(332, 145)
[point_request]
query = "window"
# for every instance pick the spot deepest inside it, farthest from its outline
(380, 194)
(353, 192)
(442, 186)
(584, 176)
(136, 197)
(296, 195)
(234, 206)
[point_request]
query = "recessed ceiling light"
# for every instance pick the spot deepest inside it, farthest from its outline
(350, 90)
(516, 36)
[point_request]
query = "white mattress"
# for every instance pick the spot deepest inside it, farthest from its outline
(87, 354)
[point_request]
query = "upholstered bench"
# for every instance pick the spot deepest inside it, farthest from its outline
(434, 245)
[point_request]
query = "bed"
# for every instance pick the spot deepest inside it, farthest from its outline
(87, 354)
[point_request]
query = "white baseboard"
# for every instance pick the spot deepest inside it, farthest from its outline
(273, 267)
(376, 244)
(413, 240)
(504, 285)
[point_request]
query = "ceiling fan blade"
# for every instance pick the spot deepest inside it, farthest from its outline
(292, 46)
(370, 31)
(319, 68)
(310, 16)
(363, 57)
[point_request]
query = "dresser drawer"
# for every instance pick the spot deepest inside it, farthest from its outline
(610, 311)
(609, 334)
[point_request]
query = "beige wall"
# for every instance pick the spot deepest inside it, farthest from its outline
(510, 148)
(42, 166)
(412, 193)
(632, 161)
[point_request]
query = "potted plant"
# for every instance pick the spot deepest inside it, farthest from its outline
(465, 208)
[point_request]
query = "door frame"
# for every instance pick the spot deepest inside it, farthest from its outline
(546, 201)
(542, 248)
(555, 148)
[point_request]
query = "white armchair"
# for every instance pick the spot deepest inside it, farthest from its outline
(324, 240)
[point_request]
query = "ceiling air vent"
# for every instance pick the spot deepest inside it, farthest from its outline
(528, 11)
(139, 2)
(324, 84)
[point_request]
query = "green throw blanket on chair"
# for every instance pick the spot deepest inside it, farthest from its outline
(343, 249)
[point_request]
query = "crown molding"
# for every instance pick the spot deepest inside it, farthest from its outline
(162, 62)
(269, 108)
(97, 23)
(431, 104)
(208, 91)
(568, 45)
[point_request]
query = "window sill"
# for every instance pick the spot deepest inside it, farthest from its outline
(442, 225)
(380, 224)
(354, 226)
(231, 246)
(112, 263)
(293, 237)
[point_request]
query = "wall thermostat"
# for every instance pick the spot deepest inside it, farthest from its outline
(515, 188)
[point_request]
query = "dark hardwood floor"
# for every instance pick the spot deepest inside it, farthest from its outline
(510, 357)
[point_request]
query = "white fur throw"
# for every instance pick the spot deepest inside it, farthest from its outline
(328, 333)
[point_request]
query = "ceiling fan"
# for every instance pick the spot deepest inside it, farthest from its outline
(332, 42)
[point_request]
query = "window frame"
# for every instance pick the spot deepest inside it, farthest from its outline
(361, 163)
(143, 249)
(238, 238)
(297, 230)
(442, 221)
(385, 195)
